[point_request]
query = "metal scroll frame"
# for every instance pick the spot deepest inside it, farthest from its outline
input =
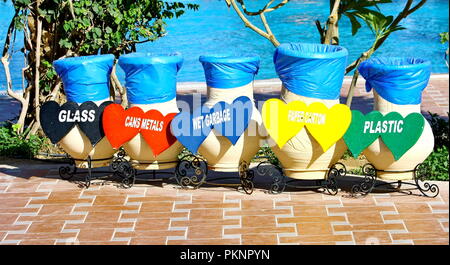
(370, 182)
(71, 170)
(192, 171)
(130, 175)
(281, 181)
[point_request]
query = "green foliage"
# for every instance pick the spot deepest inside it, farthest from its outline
(362, 9)
(436, 165)
(369, 12)
(356, 171)
(267, 153)
(108, 26)
(184, 153)
(86, 27)
(16, 145)
(444, 37)
(440, 127)
(114, 26)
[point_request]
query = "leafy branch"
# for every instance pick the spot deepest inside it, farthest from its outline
(55, 29)
(357, 11)
(242, 12)
(382, 27)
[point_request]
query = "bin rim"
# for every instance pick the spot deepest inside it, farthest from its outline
(386, 63)
(151, 58)
(77, 60)
(286, 49)
(229, 58)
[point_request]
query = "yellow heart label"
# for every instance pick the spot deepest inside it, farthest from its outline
(275, 115)
(333, 126)
(284, 121)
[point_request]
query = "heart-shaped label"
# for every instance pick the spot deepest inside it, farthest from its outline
(230, 120)
(236, 118)
(402, 133)
(187, 128)
(155, 128)
(327, 126)
(283, 121)
(355, 138)
(57, 121)
(92, 126)
(278, 122)
(398, 133)
(121, 125)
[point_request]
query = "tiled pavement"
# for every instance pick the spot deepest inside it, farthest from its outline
(36, 207)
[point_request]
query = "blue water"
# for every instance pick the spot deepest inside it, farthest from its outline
(214, 29)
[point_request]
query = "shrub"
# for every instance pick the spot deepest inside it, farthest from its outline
(440, 127)
(436, 165)
(16, 145)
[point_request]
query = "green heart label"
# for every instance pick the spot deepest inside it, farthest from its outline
(355, 138)
(405, 133)
(398, 133)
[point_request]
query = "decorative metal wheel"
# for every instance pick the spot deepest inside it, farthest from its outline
(246, 176)
(336, 170)
(275, 172)
(191, 171)
(67, 172)
(123, 168)
(370, 178)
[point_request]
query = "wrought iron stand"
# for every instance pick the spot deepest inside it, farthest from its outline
(370, 182)
(129, 174)
(192, 171)
(280, 181)
(69, 171)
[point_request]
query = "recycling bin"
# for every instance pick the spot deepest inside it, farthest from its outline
(397, 84)
(150, 81)
(309, 73)
(229, 77)
(86, 78)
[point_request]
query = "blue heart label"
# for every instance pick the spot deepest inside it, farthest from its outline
(229, 120)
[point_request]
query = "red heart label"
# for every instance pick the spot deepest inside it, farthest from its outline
(119, 125)
(155, 128)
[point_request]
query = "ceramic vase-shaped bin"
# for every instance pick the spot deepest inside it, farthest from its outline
(309, 73)
(86, 78)
(151, 85)
(229, 77)
(397, 85)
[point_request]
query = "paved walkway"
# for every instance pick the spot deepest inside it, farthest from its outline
(36, 207)
(434, 99)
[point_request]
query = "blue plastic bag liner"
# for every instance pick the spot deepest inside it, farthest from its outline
(229, 71)
(150, 78)
(396, 79)
(311, 70)
(85, 78)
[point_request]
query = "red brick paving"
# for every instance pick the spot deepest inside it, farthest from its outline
(54, 211)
